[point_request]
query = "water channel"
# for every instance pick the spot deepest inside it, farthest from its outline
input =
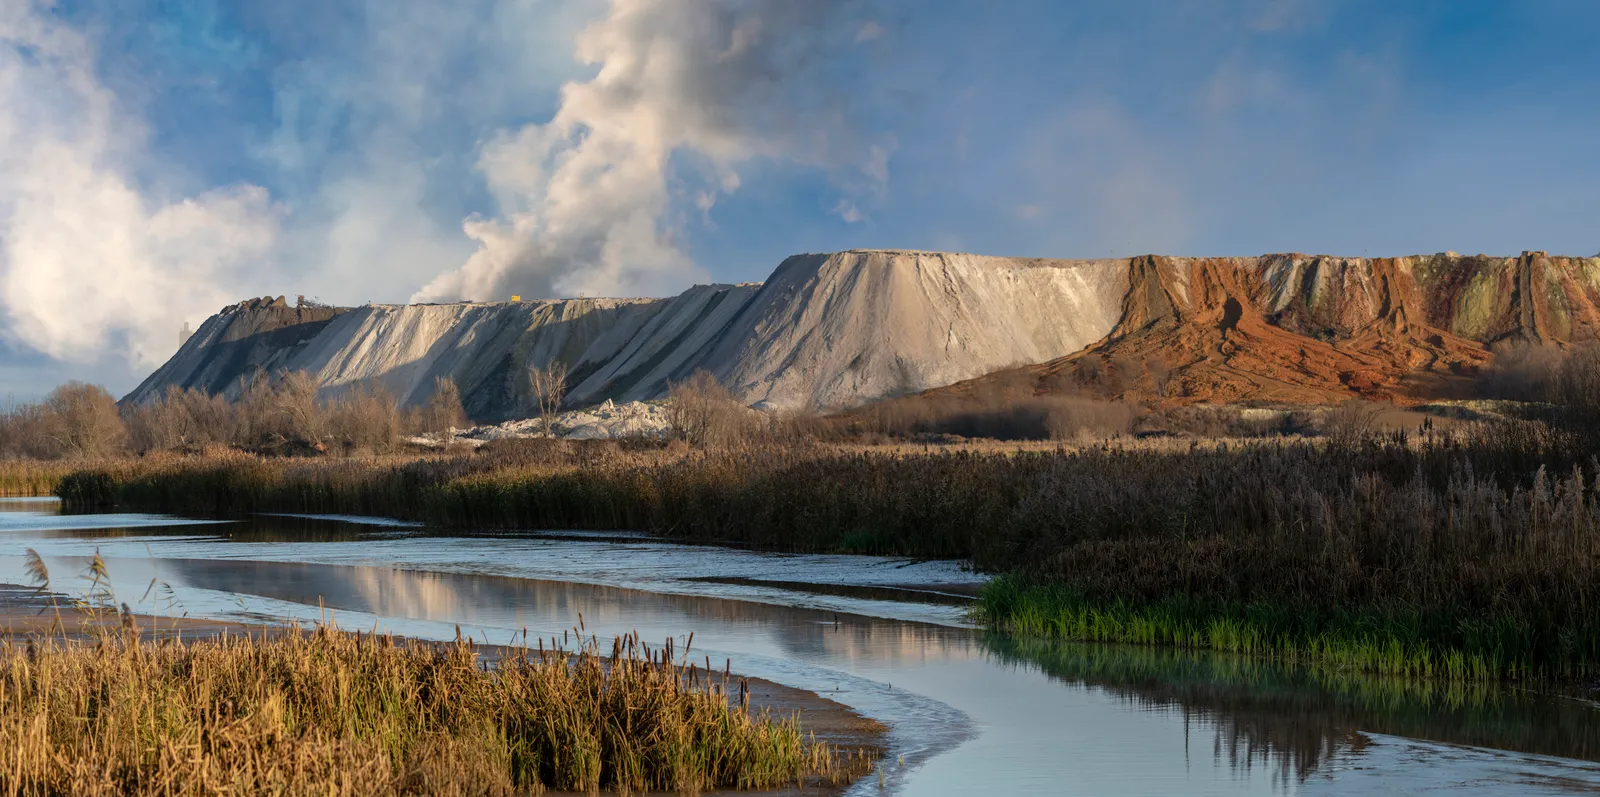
(968, 712)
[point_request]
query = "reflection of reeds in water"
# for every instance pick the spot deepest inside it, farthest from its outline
(1296, 718)
(328, 712)
(1474, 558)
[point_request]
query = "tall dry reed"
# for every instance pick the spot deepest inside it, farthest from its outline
(32, 477)
(1482, 550)
(333, 713)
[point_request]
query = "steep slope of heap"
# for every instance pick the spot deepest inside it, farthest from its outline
(256, 334)
(1316, 329)
(838, 330)
(826, 331)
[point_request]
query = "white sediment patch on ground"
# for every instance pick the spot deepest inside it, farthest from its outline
(605, 421)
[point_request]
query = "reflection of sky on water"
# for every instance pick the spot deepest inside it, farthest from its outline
(972, 716)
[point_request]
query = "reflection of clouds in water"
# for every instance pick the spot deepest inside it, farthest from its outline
(646, 565)
(486, 599)
(551, 605)
(891, 644)
(1113, 717)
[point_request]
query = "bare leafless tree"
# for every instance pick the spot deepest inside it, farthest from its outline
(547, 389)
(155, 426)
(296, 410)
(365, 418)
(83, 422)
(703, 412)
(179, 418)
(444, 413)
(1124, 372)
(284, 409)
(24, 434)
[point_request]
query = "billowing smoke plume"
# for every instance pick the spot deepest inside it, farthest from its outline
(89, 261)
(686, 92)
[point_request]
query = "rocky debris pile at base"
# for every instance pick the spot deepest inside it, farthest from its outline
(607, 421)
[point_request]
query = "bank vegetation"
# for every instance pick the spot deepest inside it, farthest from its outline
(327, 712)
(1468, 553)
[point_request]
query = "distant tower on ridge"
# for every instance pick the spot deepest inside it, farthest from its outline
(183, 334)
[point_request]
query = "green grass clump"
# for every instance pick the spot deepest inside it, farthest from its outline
(1389, 640)
(1297, 716)
(328, 712)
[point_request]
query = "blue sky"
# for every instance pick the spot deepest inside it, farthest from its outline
(166, 157)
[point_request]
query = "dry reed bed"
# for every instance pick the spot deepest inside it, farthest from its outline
(1471, 557)
(333, 713)
(30, 478)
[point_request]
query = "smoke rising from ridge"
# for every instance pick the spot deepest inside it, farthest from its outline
(685, 93)
(91, 262)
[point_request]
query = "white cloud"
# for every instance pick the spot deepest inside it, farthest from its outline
(376, 133)
(586, 200)
(90, 260)
(869, 31)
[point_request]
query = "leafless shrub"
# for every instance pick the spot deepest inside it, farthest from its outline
(295, 408)
(210, 419)
(1126, 372)
(1088, 373)
(365, 418)
(1003, 409)
(546, 390)
(1351, 422)
(251, 409)
(1521, 371)
(797, 427)
(1071, 418)
(284, 410)
(443, 413)
(23, 434)
(701, 411)
(180, 419)
(82, 421)
(1576, 383)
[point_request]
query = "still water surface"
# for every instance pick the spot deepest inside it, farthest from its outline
(970, 712)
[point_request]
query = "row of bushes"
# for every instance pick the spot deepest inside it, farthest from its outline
(284, 414)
